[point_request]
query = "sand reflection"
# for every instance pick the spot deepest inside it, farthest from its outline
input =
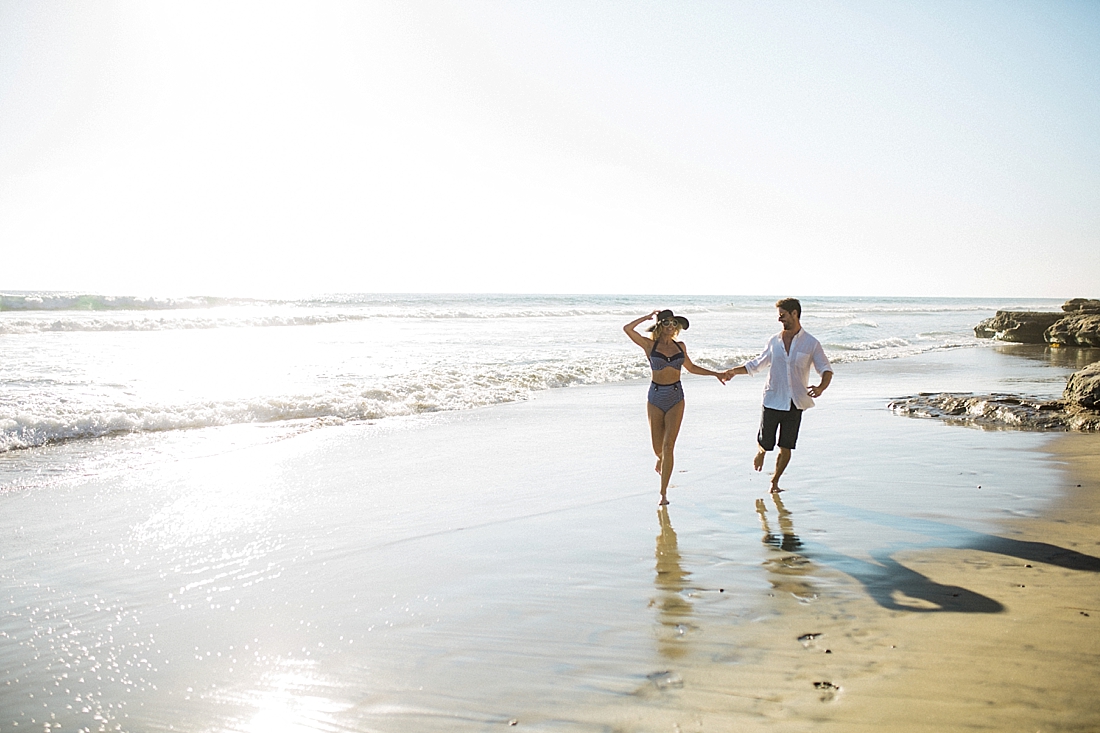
(788, 569)
(673, 608)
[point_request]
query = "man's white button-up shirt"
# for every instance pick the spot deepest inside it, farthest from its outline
(789, 376)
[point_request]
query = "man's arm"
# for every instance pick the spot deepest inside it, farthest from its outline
(826, 380)
(752, 366)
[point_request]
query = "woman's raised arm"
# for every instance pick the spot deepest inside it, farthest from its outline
(636, 337)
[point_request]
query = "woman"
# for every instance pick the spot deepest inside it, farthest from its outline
(666, 395)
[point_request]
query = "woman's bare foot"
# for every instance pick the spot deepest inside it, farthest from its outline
(663, 501)
(657, 468)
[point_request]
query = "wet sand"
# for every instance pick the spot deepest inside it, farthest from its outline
(466, 571)
(995, 632)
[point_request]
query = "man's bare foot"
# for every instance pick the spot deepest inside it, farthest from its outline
(775, 488)
(758, 461)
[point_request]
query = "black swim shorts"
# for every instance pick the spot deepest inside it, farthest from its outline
(785, 421)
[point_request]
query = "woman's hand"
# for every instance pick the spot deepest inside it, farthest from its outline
(637, 321)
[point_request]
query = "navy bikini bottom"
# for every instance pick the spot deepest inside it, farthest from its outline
(665, 396)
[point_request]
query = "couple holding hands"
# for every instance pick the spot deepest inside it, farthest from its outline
(788, 356)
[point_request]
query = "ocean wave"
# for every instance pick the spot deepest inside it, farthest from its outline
(438, 389)
(89, 302)
(852, 355)
(44, 416)
(879, 345)
(251, 318)
(14, 326)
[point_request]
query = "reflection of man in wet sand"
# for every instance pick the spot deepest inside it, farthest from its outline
(789, 354)
(791, 570)
(789, 541)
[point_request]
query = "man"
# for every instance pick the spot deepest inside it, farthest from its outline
(789, 353)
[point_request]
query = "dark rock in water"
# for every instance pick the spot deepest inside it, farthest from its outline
(999, 411)
(1081, 305)
(1021, 327)
(1083, 388)
(1079, 329)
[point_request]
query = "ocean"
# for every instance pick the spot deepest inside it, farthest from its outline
(85, 368)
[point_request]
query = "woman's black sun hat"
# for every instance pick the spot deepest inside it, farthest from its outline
(667, 315)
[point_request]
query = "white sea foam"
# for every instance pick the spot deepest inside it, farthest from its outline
(99, 323)
(81, 367)
(92, 302)
(881, 344)
(44, 421)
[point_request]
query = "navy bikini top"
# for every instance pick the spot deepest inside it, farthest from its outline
(658, 361)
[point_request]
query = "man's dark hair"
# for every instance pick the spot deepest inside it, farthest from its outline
(791, 305)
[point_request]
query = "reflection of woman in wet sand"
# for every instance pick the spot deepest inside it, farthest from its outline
(666, 395)
(671, 580)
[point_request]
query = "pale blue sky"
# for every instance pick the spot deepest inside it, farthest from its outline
(825, 148)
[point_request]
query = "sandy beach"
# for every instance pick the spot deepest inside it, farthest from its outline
(509, 565)
(327, 330)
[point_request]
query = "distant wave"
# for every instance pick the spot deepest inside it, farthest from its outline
(74, 324)
(879, 345)
(86, 302)
(265, 318)
(892, 348)
(489, 305)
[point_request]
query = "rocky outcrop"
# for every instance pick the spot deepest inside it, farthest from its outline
(1081, 305)
(998, 411)
(1079, 408)
(1079, 329)
(1078, 324)
(1083, 388)
(1021, 327)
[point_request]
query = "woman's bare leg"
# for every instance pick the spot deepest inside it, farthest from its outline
(656, 432)
(672, 420)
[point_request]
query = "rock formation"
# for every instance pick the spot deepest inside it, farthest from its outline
(1083, 388)
(1079, 408)
(1079, 329)
(1021, 327)
(1077, 325)
(1081, 305)
(998, 411)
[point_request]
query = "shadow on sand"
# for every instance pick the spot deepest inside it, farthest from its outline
(897, 587)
